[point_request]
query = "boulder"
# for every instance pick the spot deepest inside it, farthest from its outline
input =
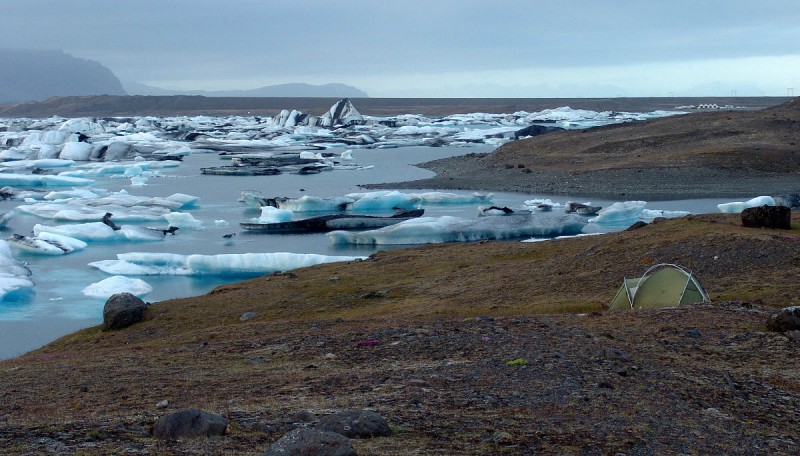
(190, 423)
(311, 442)
(122, 310)
(786, 319)
(356, 424)
(775, 217)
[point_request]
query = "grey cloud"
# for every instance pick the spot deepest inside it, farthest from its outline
(149, 39)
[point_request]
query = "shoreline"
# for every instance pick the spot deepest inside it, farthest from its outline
(475, 172)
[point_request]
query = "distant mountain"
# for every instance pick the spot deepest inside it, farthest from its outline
(27, 75)
(282, 90)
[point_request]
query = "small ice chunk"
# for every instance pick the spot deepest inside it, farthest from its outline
(117, 284)
(271, 214)
(183, 220)
(138, 181)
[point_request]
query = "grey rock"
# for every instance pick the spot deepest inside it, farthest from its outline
(786, 319)
(311, 442)
(774, 217)
(122, 310)
(190, 423)
(356, 424)
(613, 354)
(248, 316)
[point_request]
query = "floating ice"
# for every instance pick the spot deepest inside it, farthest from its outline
(382, 201)
(82, 193)
(428, 230)
(46, 244)
(40, 163)
(242, 264)
(100, 232)
(648, 215)
(452, 198)
(309, 203)
(737, 207)
(624, 213)
(183, 220)
(117, 284)
(535, 203)
(14, 282)
(271, 214)
(76, 213)
(78, 151)
(138, 181)
(42, 180)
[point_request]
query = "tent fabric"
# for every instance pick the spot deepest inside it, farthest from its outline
(663, 285)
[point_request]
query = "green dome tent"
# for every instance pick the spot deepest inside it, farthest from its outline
(663, 285)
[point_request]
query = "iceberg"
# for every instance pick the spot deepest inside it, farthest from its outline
(738, 206)
(624, 213)
(236, 264)
(271, 214)
(648, 215)
(305, 203)
(100, 232)
(15, 284)
(75, 213)
(47, 244)
(117, 284)
(42, 180)
(382, 201)
(183, 220)
(77, 151)
(432, 230)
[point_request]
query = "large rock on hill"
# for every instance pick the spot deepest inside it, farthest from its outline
(122, 310)
(27, 75)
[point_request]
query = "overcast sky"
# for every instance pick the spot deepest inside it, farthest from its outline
(430, 48)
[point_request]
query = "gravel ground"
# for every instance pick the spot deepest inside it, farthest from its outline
(476, 172)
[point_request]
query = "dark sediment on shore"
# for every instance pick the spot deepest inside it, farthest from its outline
(472, 172)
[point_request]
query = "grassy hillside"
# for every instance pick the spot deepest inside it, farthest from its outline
(447, 319)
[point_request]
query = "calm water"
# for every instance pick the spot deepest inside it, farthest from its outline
(59, 307)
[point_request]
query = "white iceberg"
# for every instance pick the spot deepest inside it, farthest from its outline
(738, 206)
(624, 213)
(431, 230)
(271, 214)
(15, 283)
(648, 215)
(183, 220)
(117, 284)
(46, 244)
(241, 264)
(382, 201)
(42, 180)
(100, 232)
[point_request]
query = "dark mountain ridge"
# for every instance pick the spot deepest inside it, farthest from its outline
(279, 90)
(40, 74)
